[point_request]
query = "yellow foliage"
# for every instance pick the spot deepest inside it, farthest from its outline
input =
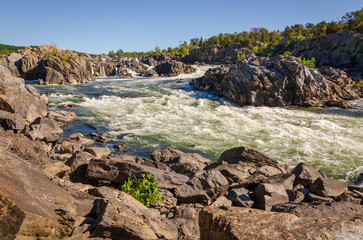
(256, 62)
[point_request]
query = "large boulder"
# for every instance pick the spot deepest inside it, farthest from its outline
(173, 68)
(119, 171)
(305, 174)
(203, 187)
(328, 187)
(179, 161)
(126, 218)
(276, 81)
(20, 99)
(246, 223)
(250, 157)
(44, 129)
(270, 194)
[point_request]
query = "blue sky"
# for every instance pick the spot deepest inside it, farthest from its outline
(100, 26)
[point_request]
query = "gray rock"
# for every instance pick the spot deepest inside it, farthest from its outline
(286, 180)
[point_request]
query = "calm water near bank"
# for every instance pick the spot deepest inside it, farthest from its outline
(150, 113)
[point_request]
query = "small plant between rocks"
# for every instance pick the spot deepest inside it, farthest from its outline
(309, 63)
(145, 190)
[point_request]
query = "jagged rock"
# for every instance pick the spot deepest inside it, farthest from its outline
(18, 98)
(305, 174)
(235, 172)
(149, 73)
(44, 129)
(250, 157)
(57, 169)
(69, 145)
(245, 223)
(276, 81)
(126, 218)
(120, 171)
(173, 68)
(269, 194)
(295, 196)
(203, 187)
(328, 187)
(11, 121)
(62, 117)
(252, 181)
(240, 197)
(179, 161)
(342, 210)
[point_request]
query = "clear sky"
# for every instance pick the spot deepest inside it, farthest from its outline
(140, 25)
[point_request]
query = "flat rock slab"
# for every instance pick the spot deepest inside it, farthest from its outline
(98, 152)
(227, 223)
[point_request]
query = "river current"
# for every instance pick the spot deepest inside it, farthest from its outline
(146, 114)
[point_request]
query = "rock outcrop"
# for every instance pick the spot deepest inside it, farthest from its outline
(279, 81)
(21, 102)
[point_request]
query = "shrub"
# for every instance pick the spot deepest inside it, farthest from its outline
(241, 56)
(309, 63)
(360, 82)
(64, 60)
(145, 190)
(287, 53)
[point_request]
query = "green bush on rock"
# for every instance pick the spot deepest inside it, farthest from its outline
(309, 63)
(145, 190)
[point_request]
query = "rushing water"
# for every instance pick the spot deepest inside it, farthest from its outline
(150, 113)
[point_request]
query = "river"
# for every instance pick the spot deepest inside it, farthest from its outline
(146, 114)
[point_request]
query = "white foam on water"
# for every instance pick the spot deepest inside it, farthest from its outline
(160, 111)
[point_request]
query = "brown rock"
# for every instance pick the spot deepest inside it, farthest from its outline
(328, 187)
(269, 194)
(246, 223)
(62, 117)
(44, 129)
(305, 174)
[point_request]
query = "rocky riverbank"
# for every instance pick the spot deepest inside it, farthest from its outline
(280, 81)
(66, 188)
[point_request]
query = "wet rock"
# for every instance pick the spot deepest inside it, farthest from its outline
(269, 194)
(119, 172)
(62, 117)
(179, 161)
(246, 223)
(240, 197)
(328, 187)
(44, 129)
(202, 188)
(126, 218)
(98, 152)
(305, 174)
